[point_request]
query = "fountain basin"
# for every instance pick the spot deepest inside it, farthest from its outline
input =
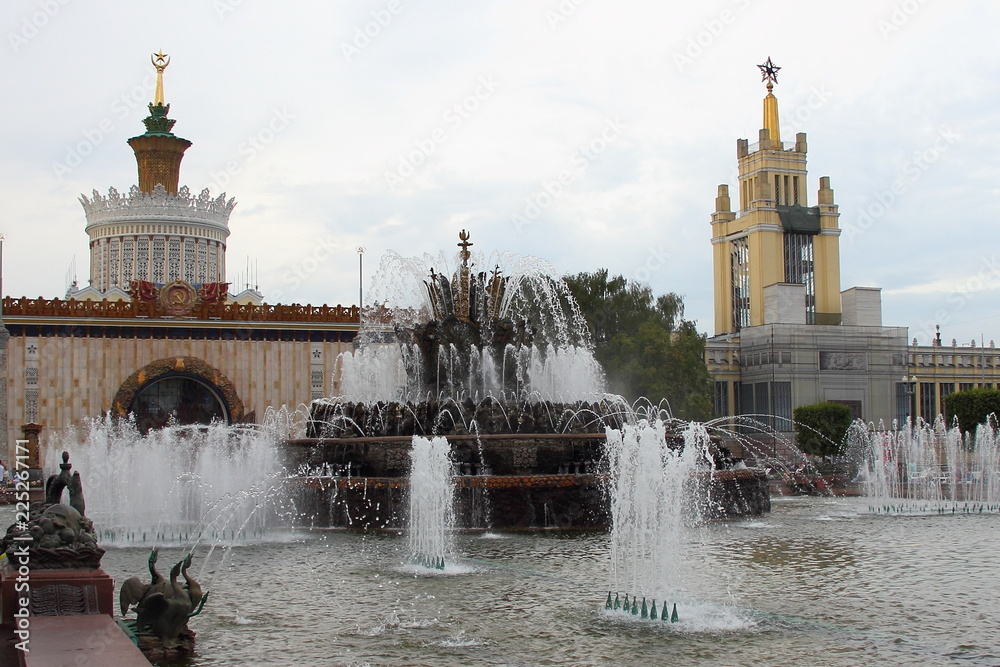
(496, 454)
(537, 481)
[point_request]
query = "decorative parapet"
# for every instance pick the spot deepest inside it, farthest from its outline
(26, 307)
(158, 205)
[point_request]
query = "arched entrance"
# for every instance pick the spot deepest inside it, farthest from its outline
(185, 390)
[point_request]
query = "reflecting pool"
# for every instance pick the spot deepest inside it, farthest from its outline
(818, 581)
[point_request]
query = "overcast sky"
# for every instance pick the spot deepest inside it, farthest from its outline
(393, 125)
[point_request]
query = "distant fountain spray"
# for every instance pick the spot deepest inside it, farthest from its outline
(432, 502)
(656, 494)
(923, 467)
(177, 485)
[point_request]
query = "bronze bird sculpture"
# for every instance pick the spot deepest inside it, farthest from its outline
(133, 590)
(164, 605)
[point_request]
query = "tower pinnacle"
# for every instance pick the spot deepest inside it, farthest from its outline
(769, 73)
(160, 61)
(158, 152)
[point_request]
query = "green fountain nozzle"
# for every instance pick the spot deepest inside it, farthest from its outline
(201, 604)
(665, 616)
(652, 610)
(609, 603)
(644, 612)
(635, 606)
(618, 603)
(626, 606)
(673, 614)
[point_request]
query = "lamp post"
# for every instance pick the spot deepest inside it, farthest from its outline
(910, 387)
(982, 360)
(361, 277)
(2, 237)
(4, 337)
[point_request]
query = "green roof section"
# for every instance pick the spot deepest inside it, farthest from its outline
(157, 124)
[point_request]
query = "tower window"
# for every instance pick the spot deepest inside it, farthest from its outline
(739, 254)
(799, 269)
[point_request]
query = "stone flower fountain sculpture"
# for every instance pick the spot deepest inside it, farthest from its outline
(61, 536)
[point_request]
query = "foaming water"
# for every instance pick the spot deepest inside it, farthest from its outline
(460, 640)
(177, 485)
(693, 618)
(450, 569)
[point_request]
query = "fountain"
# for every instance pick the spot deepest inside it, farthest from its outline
(513, 332)
(177, 485)
(928, 467)
(656, 492)
(432, 511)
(499, 362)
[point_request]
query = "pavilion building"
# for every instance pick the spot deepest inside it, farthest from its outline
(785, 333)
(156, 332)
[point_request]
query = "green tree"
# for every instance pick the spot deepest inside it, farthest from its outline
(972, 407)
(820, 428)
(646, 347)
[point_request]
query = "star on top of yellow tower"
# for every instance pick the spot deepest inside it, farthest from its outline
(769, 72)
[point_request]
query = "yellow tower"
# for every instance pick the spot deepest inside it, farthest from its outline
(775, 237)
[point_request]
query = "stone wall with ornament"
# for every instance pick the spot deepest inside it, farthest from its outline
(62, 371)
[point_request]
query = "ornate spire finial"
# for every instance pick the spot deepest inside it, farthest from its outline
(158, 151)
(769, 73)
(463, 295)
(464, 245)
(157, 122)
(160, 61)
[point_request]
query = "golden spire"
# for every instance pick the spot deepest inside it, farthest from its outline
(160, 61)
(769, 73)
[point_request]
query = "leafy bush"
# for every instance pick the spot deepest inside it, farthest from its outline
(972, 407)
(820, 428)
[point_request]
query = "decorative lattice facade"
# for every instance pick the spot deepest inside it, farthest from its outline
(156, 236)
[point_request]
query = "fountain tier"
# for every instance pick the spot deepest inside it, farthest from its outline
(500, 362)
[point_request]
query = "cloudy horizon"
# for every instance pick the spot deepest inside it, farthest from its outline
(589, 134)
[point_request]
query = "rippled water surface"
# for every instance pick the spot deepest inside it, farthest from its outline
(818, 581)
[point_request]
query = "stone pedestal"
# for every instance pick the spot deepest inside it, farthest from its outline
(55, 592)
(31, 433)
